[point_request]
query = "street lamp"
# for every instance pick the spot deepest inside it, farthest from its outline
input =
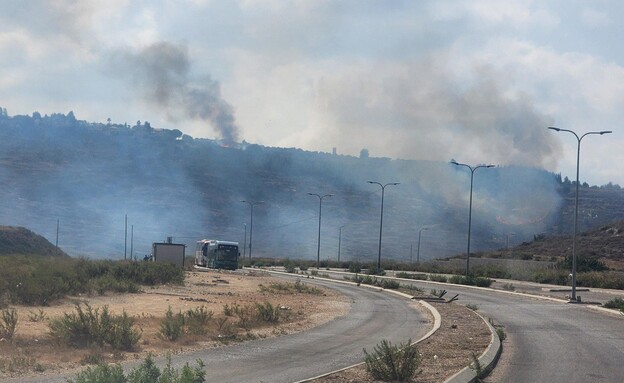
(383, 189)
(472, 170)
(418, 250)
(245, 242)
(318, 250)
(339, 240)
(251, 206)
(578, 156)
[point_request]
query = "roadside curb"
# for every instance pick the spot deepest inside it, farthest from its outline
(437, 319)
(488, 359)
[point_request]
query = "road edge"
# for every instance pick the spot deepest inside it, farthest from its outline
(487, 360)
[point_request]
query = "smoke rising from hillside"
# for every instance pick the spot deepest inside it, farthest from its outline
(161, 72)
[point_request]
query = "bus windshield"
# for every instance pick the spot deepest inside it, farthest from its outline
(227, 252)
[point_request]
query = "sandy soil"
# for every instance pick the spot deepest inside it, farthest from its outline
(33, 349)
(462, 332)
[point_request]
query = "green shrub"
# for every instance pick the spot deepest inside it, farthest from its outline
(247, 316)
(470, 280)
(268, 313)
(556, 277)
(146, 372)
(290, 288)
(483, 281)
(390, 363)
(390, 284)
(122, 334)
(81, 328)
(102, 373)
(172, 326)
(41, 280)
(419, 277)
(38, 316)
(373, 270)
(8, 324)
(197, 320)
(438, 278)
(615, 303)
(88, 327)
(355, 267)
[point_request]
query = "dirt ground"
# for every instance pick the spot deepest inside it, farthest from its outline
(34, 351)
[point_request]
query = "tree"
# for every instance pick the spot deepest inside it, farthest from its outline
(364, 153)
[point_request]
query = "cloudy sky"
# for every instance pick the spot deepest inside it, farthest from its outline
(477, 80)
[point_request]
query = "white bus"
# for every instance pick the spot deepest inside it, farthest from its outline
(217, 254)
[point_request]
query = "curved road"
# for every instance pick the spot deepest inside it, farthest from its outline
(552, 342)
(373, 316)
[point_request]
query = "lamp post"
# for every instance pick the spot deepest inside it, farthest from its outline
(251, 206)
(472, 170)
(318, 249)
(245, 242)
(418, 249)
(339, 240)
(578, 156)
(383, 189)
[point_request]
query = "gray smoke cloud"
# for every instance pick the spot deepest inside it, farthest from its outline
(423, 110)
(162, 74)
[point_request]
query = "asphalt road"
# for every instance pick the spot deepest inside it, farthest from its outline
(373, 316)
(552, 342)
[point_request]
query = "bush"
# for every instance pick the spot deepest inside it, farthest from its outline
(390, 284)
(390, 363)
(88, 327)
(102, 373)
(355, 267)
(8, 325)
(419, 277)
(438, 278)
(40, 281)
(268, 313)
(122, 334)
(198, 319)
(172, 327)
(615, 303)
(146, 372)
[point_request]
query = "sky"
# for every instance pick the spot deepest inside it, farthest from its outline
(478, 81)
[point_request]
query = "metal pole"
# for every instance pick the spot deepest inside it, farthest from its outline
(126, 238)
(57, 231)
(578, 157)
(318, 248)
(251, 205)
(383, 189)
(418, 251)
(469, 223)
(245, 242)
(472, 170)
(250, 229)
(339, 241)
(411, 252)
(132, 242)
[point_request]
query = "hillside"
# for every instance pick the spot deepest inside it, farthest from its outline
(90, 176)
(19, 240)
(605, 244)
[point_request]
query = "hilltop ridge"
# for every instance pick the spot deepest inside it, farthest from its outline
(90, 176)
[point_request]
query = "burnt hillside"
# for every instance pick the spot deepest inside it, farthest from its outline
(90, 176)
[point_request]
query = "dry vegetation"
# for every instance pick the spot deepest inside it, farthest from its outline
(230, 296)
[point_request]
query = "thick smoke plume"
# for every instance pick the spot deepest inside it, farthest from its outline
(161, 72)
